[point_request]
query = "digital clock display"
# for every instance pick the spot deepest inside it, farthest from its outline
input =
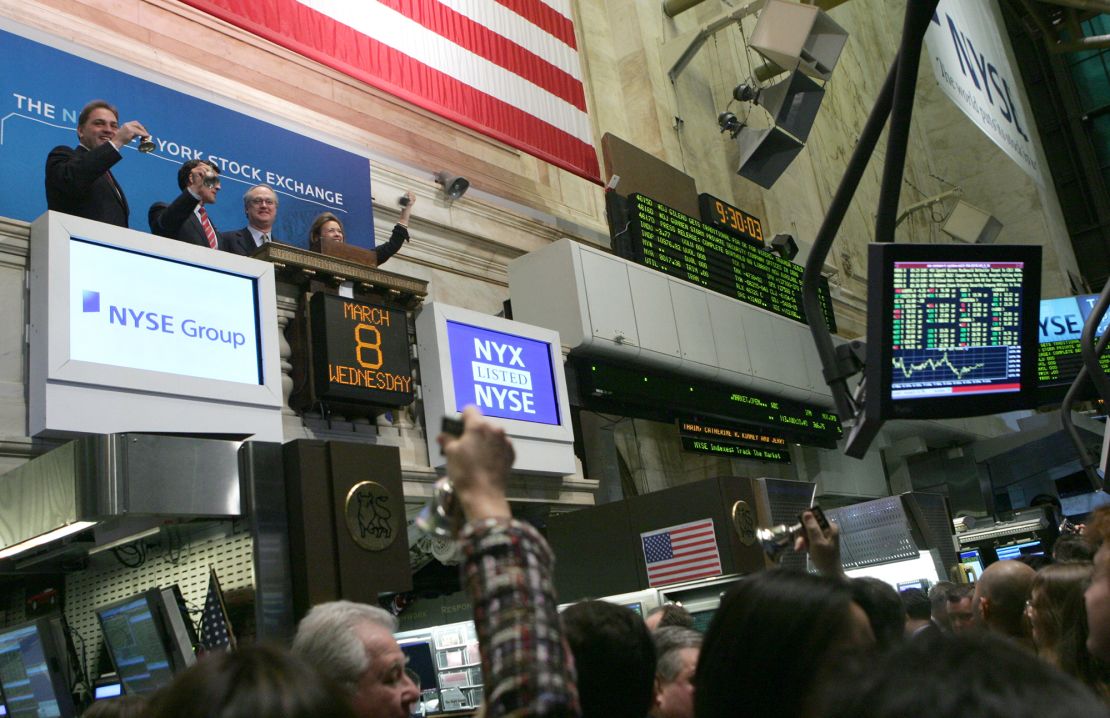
(360, 352)
(684, 247)
(732, 220)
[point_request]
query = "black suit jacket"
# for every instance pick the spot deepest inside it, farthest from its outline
(77, 182)
(239, 242)
(177, 221)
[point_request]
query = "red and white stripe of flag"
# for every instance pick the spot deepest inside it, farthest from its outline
(695, 554)
(506, 68)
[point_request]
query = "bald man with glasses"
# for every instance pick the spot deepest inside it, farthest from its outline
(260, 204)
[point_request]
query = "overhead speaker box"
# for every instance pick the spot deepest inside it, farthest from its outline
(765, 154)
(793, 103)
(796, 36)
(968, 223)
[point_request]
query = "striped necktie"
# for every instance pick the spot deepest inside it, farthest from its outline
(209, 231)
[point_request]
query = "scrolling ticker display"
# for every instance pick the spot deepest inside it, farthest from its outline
(732, 440)
(610, 388)
(725, 262)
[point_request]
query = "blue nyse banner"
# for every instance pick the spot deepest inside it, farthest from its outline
(43, 90)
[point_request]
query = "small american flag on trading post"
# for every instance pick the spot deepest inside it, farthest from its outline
(681, 553)
(215, 630)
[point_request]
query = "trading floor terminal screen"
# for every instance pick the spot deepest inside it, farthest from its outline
(956, 328)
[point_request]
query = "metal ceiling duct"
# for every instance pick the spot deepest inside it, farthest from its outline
(112, 480)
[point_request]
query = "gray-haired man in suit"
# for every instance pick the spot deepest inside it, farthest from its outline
(260, 204)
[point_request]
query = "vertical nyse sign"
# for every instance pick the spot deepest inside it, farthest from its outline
(971, 64)
(360, 352)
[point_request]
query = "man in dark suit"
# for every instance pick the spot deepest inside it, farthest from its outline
(260, 203)
(919, 614)
(185, 219)
(79, 179)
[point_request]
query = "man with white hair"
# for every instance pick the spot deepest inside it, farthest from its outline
(676, 650)
(353, 644)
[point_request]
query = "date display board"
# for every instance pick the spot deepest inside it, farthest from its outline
(687, 248)
(360, 352)
(731, 440)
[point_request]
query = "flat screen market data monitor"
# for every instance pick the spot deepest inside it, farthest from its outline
(952, 329)
(1019, 550)
(147, 638)
(33, 672)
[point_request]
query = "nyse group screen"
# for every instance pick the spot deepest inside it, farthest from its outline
(504, 375)
(143, 312)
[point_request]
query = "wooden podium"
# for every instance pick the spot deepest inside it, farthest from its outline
(347, 532)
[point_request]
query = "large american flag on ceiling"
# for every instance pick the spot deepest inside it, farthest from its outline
(506, 68)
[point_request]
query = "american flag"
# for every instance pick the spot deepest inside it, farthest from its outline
(215, 630)
(506, 68)
(681, 553)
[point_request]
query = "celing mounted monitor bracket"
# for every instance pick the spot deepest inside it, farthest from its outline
(1091, 350)
(678, 52)
(895, 101)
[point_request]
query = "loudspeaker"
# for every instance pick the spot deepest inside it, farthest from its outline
(453, 186)
(793, 103)
(971, 224)
(765, 154)
(796, 36)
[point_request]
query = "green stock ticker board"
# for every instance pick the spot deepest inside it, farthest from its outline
(687, 248)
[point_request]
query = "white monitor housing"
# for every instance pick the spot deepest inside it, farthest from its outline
(135, 333)
(513, 372)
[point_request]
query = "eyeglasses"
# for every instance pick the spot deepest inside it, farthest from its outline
(262, 201)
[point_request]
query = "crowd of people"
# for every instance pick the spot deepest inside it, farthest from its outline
(1017, 643)
(79, 181)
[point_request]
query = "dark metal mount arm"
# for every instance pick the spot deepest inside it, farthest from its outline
(895, 101)
(1089, 348)
(1087, 345)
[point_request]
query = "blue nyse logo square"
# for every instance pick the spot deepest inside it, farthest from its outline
(90, 301)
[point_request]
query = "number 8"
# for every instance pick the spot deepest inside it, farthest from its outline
(375, 345)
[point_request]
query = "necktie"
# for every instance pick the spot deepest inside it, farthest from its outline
(115, 185)
(265, 237)
(209, 231)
